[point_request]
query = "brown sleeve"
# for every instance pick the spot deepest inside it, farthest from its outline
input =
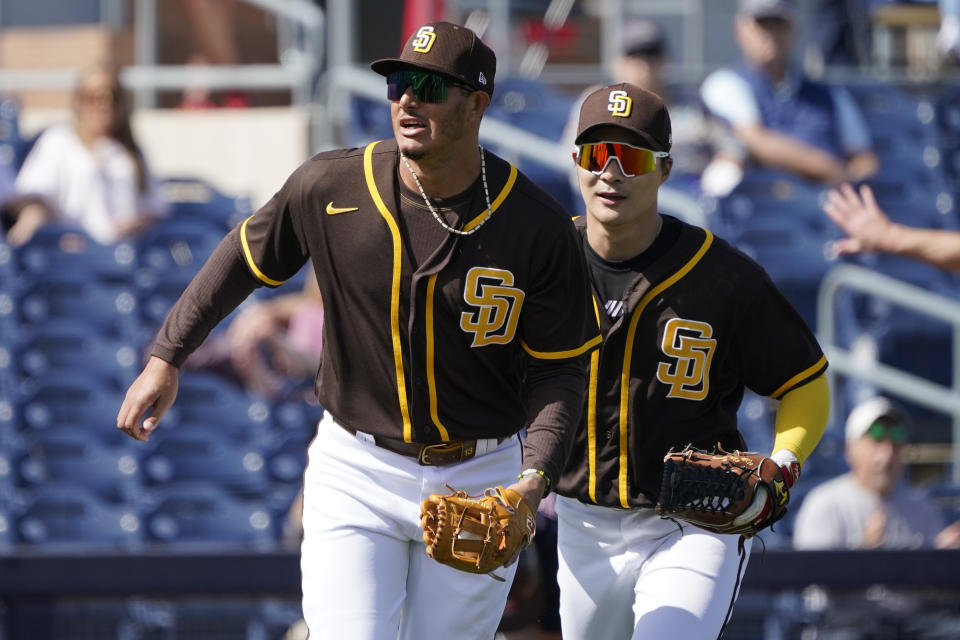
(555, 402)
(222, 284)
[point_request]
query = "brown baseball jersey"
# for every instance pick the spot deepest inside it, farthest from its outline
(698, 324)
(437, 351)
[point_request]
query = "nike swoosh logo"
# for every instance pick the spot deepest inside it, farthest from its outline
(332, 210)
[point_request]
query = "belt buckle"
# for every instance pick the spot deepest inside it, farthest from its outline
(444, 448)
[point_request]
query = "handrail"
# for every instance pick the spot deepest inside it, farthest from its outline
(912, 387)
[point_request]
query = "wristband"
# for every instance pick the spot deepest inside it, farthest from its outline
(526, 473)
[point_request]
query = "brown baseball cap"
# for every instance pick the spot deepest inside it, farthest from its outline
(629, 107)
(448, 49)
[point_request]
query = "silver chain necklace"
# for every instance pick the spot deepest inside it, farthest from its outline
(436, 216)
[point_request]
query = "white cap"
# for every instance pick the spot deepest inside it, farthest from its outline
(868, 412)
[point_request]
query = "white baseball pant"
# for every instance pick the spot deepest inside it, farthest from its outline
(365, 571)
(631, 574)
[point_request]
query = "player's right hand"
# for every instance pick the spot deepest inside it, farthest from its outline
(154, 390)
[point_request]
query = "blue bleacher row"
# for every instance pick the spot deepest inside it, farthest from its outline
(75, 320)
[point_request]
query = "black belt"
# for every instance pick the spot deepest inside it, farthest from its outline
(436, 455)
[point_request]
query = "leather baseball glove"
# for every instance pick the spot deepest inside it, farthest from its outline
(735, 493)
(477, 534)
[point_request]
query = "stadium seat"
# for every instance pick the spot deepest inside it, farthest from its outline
(75, 459)
(203, 513)
(181, 244)
(286, 462)
(54, 515)
(68, 401)
(106, 308)
(6, 536)
(196, 200)
(57, 249)
(208, 398)
(65, 345)
(206, 455)
(296, 418)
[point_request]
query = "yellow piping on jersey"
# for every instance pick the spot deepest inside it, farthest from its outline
(496, 201)
(628, 352)
(431, 287)
(431, 377)
(394, 290)
(819, 364)
(560, 355)
(249, 257)
(592, 415)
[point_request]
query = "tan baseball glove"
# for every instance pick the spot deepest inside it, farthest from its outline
(735, 493)
(478, 534)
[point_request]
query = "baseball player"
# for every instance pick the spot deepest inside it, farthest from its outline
(457, 311)
(688, 322)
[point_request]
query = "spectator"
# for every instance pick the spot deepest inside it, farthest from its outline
(782, 119)
(869, 507)
(91, 173)
(869, 229)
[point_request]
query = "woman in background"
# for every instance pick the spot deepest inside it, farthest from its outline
(91, 172)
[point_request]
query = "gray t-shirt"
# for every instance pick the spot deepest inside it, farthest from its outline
(833, 515)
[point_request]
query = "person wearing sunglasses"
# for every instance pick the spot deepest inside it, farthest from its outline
(457, 312)
(871, 506)
(688, 322)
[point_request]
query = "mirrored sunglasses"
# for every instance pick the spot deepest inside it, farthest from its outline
(879, 431)
(633, 161)
(427, 86)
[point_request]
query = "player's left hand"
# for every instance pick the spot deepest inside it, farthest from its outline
(531, 489)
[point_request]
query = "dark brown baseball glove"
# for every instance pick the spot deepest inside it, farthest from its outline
(735, 493)
(478, 534)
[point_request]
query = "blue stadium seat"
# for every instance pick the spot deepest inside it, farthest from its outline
(54, 515)
(205, 455)
(6, 535)
(178, 245)
(65, 345)
(296, 417)
(57, 249)
(203, 513)
(286, 462)
(10, 133)
(75, 459)
(106, 308)
(206, 398)
(195, 200)
(7, 456)
(64, 401)
(769, 199)
(96, 619)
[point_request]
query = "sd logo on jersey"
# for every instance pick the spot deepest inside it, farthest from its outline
(690, 345)
(424, 40)
(498, 306)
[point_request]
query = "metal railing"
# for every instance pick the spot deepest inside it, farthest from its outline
(891, 379)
